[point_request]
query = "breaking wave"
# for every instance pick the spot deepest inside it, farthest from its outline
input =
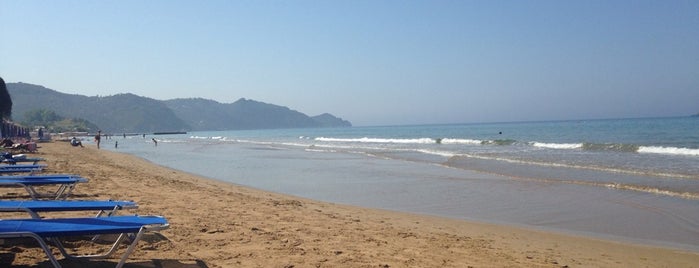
(668, 150)
(557, 145)
(618, 147)
(585, 146)
(379, 140)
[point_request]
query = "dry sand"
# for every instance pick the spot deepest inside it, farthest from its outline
(216, 224)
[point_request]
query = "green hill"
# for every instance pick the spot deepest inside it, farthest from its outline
(131, 113)
(242, 114)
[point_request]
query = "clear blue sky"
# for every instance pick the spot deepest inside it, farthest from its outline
(370, 62)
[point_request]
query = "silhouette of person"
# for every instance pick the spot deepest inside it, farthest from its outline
(98, 137)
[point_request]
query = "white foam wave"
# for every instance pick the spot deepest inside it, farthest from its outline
(652, 190)
(557, 145)
(379, 140)
(319, 150)
(207, 138)
(563, 165)
(668, 150)
(461, 141)
(439, 153)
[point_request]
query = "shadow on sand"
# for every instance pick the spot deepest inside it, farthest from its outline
(17, 247)
(6, 261)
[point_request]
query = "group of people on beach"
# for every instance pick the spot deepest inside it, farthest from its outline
(26, 145)
(98, 139)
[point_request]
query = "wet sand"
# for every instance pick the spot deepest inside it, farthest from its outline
(217, 224)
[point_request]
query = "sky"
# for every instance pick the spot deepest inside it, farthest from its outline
(373, 62)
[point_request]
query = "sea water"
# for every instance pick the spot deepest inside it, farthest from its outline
(628, 179)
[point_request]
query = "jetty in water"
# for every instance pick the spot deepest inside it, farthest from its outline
(169, 132)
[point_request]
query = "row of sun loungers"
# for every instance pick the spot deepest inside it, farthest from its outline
(50, 231)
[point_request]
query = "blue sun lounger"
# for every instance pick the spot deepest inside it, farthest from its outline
(65, 185)
(39, 176)
(52, 230)
(34, 207)
(35, 166)
(21, 168)
(13, 159)
(18, 170)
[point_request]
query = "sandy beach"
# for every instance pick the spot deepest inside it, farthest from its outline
(217, 224)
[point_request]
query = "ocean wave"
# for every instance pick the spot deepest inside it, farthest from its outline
(452, 141)
(438, 153)
(628, 187)
(653, 190)
(632, 148)
(571, 166)
(622, 186)
(460, 141)
(668, 150)
(379, 140)
(614, 147)
(499, 142)
(557, 145)
(208, 138)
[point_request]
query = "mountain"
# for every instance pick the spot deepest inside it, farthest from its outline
(132, 113)
(242, 114)
(328, 120)
(115, 114)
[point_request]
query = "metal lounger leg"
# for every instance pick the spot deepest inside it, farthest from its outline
(111, 250)
(41, 242)
(32, 192)
(64, 191)
(115, 246)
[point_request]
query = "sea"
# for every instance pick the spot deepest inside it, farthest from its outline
(631, 180)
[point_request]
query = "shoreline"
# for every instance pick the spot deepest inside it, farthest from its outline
(221, 224)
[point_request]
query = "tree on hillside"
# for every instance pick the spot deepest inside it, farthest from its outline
(5, 101)
(56, 123)
(41, 117)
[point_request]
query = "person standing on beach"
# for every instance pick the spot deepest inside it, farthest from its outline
(155, 141)
(98, 137)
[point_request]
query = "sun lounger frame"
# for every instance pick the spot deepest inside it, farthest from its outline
(13, 161)
(66, 185)
(134, 235)
(39, 176)
(34, 207)
(21, 168)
